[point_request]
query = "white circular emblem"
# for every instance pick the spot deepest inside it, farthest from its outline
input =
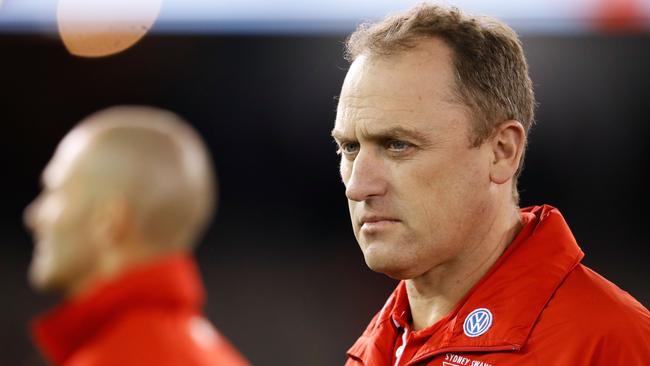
(477, 322)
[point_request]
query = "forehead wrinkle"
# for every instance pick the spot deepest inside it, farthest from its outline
(374, 101)
(374, 112)
(398, 131)
(396, 103)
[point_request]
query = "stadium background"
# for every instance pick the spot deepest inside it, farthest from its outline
(286, 281)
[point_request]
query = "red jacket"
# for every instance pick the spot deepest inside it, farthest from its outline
(148, 316)
(536, 306)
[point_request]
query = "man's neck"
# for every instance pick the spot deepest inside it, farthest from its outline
(435, 293)
(112, 263)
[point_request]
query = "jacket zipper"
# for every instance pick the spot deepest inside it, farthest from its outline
(512, 347)
(400, 349)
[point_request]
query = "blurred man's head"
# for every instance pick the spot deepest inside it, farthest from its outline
(124, 186)
(431, 126)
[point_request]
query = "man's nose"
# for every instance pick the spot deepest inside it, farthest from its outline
(30, 214)
(367, 178)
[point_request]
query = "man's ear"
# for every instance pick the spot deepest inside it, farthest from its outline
(507, 142)
(112, 221)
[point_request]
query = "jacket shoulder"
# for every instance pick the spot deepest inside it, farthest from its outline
(596, 319)
(158, 337)
(588, 295)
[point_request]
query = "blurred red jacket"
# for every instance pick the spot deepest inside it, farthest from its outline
(150, 315)
(536, 306)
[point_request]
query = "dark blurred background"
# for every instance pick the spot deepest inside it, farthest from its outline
(286, 280)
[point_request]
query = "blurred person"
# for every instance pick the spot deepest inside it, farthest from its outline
(125, 198)
(431, 125)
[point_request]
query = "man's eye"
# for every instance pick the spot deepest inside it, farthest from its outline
(349, 148)
(397, 145)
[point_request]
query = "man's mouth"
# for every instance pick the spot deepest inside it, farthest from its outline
(375, 223)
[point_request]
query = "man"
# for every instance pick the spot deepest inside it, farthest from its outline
(431, 126)
(125, 197)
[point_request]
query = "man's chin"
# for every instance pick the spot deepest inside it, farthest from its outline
(43, 282)
(390, 267)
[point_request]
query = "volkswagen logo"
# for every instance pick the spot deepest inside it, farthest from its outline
(477, 322)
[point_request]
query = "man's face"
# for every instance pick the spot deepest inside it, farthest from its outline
(58, 219)
(416, 188)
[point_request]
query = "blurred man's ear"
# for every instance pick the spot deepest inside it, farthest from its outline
(507, 143)
(113, 222)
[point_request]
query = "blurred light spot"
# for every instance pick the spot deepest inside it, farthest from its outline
(202, 332)
(620, 15)
(95, 28)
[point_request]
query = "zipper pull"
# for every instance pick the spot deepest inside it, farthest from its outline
(400, 350)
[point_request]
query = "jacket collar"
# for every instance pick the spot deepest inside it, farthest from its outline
(515, 291)
(170, 282)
